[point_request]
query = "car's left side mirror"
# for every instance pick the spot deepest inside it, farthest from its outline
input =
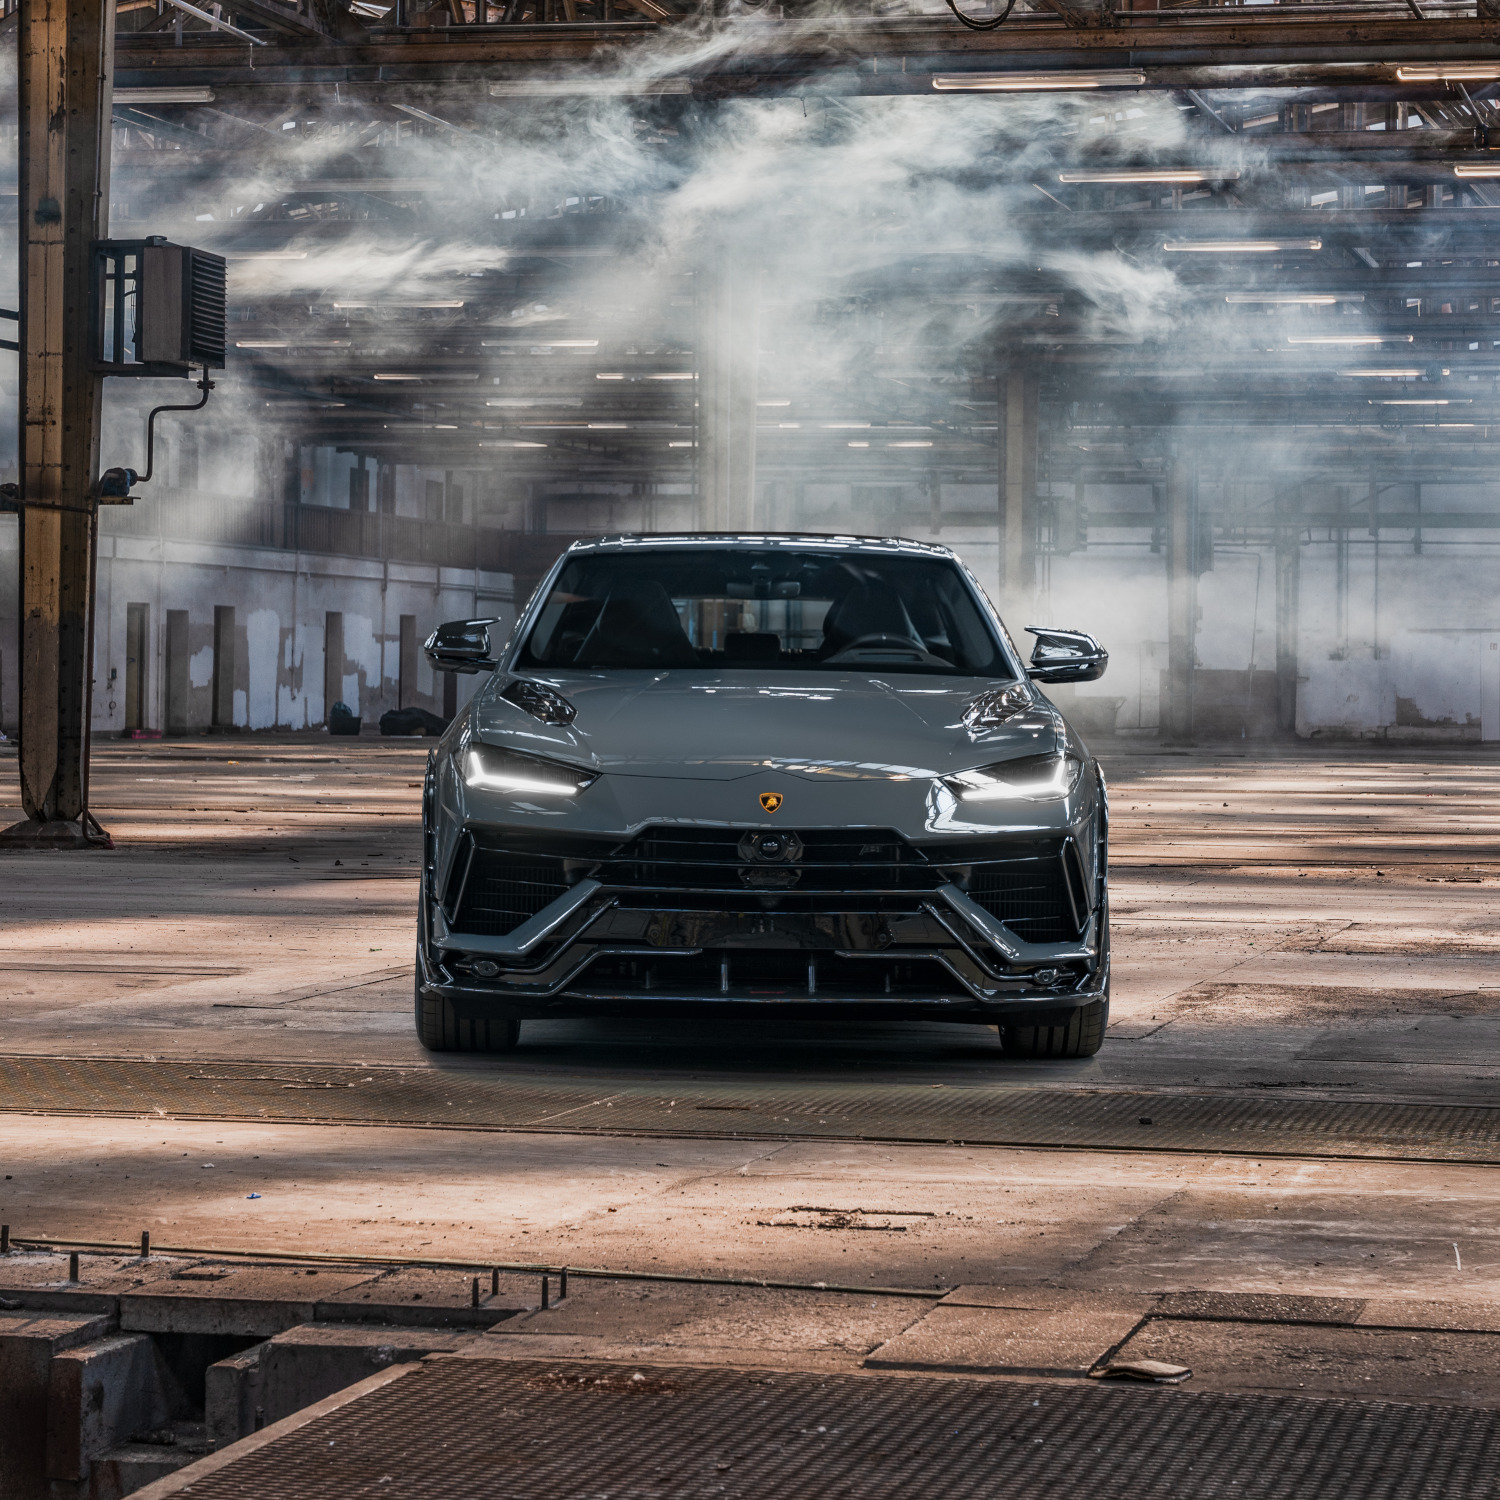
(461, 646)
(1065, 655)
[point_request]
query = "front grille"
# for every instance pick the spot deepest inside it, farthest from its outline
(1036, 887)
(494, 890)
(674, 858)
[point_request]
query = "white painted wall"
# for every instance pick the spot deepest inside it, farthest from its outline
(280, 601)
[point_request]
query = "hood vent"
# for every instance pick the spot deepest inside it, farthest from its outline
(540, 702)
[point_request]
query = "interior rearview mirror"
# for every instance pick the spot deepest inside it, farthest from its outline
(461, 646)
(1065, 655)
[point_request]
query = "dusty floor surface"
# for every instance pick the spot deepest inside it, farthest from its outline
(1313, 922)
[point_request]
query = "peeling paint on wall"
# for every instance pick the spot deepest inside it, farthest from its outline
(201, 667)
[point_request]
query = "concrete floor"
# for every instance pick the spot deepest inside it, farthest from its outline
(1316, 921)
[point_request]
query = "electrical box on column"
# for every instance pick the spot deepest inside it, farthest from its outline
(159, 308)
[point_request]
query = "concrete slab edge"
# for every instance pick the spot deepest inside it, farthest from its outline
(174, 1483)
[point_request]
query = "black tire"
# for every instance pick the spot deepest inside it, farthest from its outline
(440, 1030)
(1082, 1035)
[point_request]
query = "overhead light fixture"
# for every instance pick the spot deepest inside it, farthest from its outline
(1024, 83)
(397, 377)
(1178, 175)
(923, 444)
(1454, 72)
(1298, 299)
(387, 302)
(1422, 401)
(509, 443)
(1384, 372)
(674, 375)
(1476, 169)
(678, 444)
(773, 403)
(615, 375)
(261, 344)
(164, 94)
(608, 426)
(1240, 247)
(859, 445)
(1349, 338)
(839, 426)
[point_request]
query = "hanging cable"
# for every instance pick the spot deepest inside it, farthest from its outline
(990, 25)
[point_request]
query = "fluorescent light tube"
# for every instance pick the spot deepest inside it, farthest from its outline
(1454, 72)
(1249, 247)
(1021, 83)
(1183, 174)
(165, 93)
(1349, 338)
(1299, 299)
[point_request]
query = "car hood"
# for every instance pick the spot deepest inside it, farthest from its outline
(710, 726)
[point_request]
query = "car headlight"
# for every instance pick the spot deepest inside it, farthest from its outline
(1037, 778)
(491, 769)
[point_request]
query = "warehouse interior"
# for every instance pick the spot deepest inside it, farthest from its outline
(1178, 322)
(1206, 370)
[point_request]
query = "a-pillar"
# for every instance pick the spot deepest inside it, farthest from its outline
(66, 59)
(728, 356)
(1018, 431)
(1182, 599)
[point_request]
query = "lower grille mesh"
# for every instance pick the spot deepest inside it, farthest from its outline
(1029, 896)
(503, 889)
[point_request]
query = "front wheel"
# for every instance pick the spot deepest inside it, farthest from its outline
(1081, 1035)
(440, 1029)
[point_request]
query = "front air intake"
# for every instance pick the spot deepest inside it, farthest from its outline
(494, 890)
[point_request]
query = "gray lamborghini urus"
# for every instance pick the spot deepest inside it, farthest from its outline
(763, 774)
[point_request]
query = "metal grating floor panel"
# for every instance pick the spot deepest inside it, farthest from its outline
(1002, 1116)
(475, 1427)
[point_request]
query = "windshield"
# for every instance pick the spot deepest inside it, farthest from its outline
(784, 608)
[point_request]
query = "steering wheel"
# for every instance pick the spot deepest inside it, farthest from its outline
(864, 647)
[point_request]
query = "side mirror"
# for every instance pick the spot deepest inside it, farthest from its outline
(1065, 656)
(461, 646)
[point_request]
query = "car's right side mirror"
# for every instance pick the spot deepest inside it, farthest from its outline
(461, 646)
(1065, 655)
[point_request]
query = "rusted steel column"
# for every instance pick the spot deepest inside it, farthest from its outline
(1182, 601)
(728, 356)
(1018, 450)
(66, 60)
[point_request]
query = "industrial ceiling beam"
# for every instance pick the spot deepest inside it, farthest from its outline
(871, 54)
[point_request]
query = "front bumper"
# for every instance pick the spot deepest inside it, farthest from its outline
(902, 938)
